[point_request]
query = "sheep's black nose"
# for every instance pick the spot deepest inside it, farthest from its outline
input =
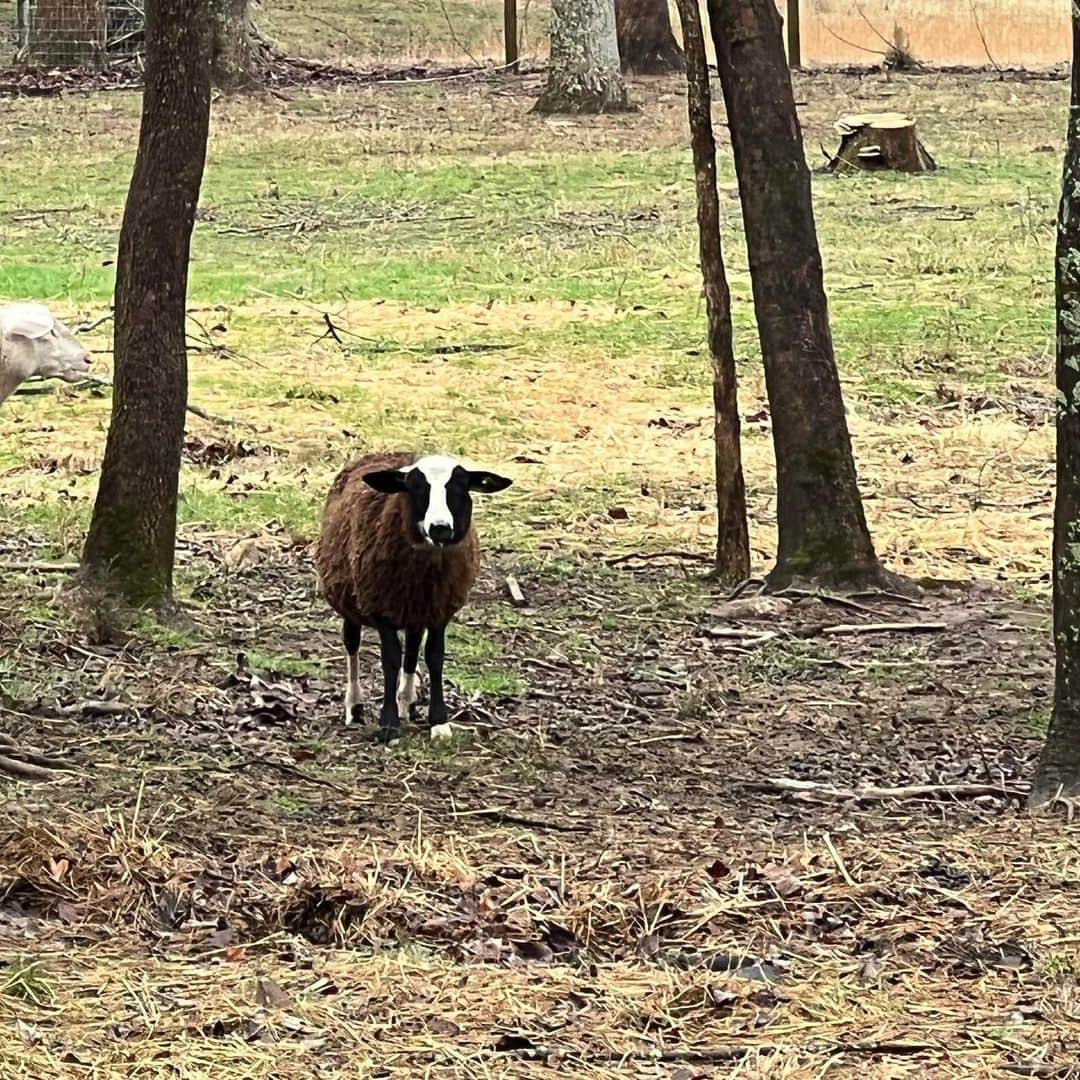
(441, 534)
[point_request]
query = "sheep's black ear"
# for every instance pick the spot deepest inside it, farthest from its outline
(388, 481)
(487, 482)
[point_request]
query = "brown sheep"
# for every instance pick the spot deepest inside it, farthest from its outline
(398, 553)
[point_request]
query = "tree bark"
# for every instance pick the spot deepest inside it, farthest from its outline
(1058, 770)
(647, 44)
(130, 545)
(583, 71)
(239, 59)
(732, 540)
(822, 532)
(877, 142)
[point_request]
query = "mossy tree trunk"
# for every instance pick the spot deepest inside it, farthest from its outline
(647, 44)
(239, 55)
(822, 533)
(732, 540)
(1058, 771)
(130, 546)
(583, 71)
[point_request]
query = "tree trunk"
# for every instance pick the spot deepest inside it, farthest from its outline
(647, 45)
(732, 541)
(583, 71)
(822, 533)
(132, 534)
(239, 58)
(1058, 771)
(68, 33)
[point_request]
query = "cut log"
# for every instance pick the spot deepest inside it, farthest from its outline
(874, 142)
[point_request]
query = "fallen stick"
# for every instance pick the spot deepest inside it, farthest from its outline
(692, 556)
(883, 628)
(517, 597)
(737, 634)
(41, 567)
(492, 813)
(870, 793)
(195, 409)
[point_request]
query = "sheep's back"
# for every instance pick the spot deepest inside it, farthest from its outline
(368, 569)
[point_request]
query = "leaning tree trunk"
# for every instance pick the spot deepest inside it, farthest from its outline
(647, 45)
(732, 541)
(822, 532)
(1058, 771)
(583, 71)
(239, 56)
(132, 535)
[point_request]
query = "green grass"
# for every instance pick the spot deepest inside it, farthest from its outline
(284, 665)
(421, 217)
(477, 663)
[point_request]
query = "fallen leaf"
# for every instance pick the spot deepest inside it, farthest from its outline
(269, 994)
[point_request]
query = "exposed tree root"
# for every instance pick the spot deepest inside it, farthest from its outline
(21, 763)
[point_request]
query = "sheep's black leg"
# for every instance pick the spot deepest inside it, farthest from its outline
(390, 648)
(408, 684)
(351, 637)
(434, 653)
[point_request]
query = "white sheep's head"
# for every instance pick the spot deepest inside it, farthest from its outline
(34, 342)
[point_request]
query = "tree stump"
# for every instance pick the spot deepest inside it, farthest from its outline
(875, 142)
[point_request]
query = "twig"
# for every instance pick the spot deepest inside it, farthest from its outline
(86, 328)
(493, 813)
(24, 770)
(870, 793)
(716, 1054)
(210, 417)
(453, 34)
(982, 38)
(827, 598)
(848, 879)
(692, 556)
(292, 770)
(40, 567)
(878, 628)
(738, 634)
(213, 418)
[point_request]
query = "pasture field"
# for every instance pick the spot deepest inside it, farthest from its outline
(599, 874)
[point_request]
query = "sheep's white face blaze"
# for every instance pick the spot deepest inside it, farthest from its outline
(438, 470)
(439, 490)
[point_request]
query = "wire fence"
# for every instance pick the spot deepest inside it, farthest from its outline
(70, 33)
(980, 33)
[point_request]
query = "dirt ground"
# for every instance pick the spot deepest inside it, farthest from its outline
(593, 876)
(662, 842)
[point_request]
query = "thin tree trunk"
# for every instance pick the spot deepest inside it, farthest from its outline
(822, 532)
(132, 534)
(732, 541)
(647, 45)
(583, 71)
(239, 59)
(1059, 766)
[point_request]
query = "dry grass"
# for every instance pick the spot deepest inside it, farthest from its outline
(483, 953)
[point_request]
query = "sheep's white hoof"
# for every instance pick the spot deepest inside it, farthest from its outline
(352, 705)
(442, 731)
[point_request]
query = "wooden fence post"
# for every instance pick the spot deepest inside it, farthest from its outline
(794, 43)
(510, 34)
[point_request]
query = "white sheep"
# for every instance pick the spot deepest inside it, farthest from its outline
(33, 342)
